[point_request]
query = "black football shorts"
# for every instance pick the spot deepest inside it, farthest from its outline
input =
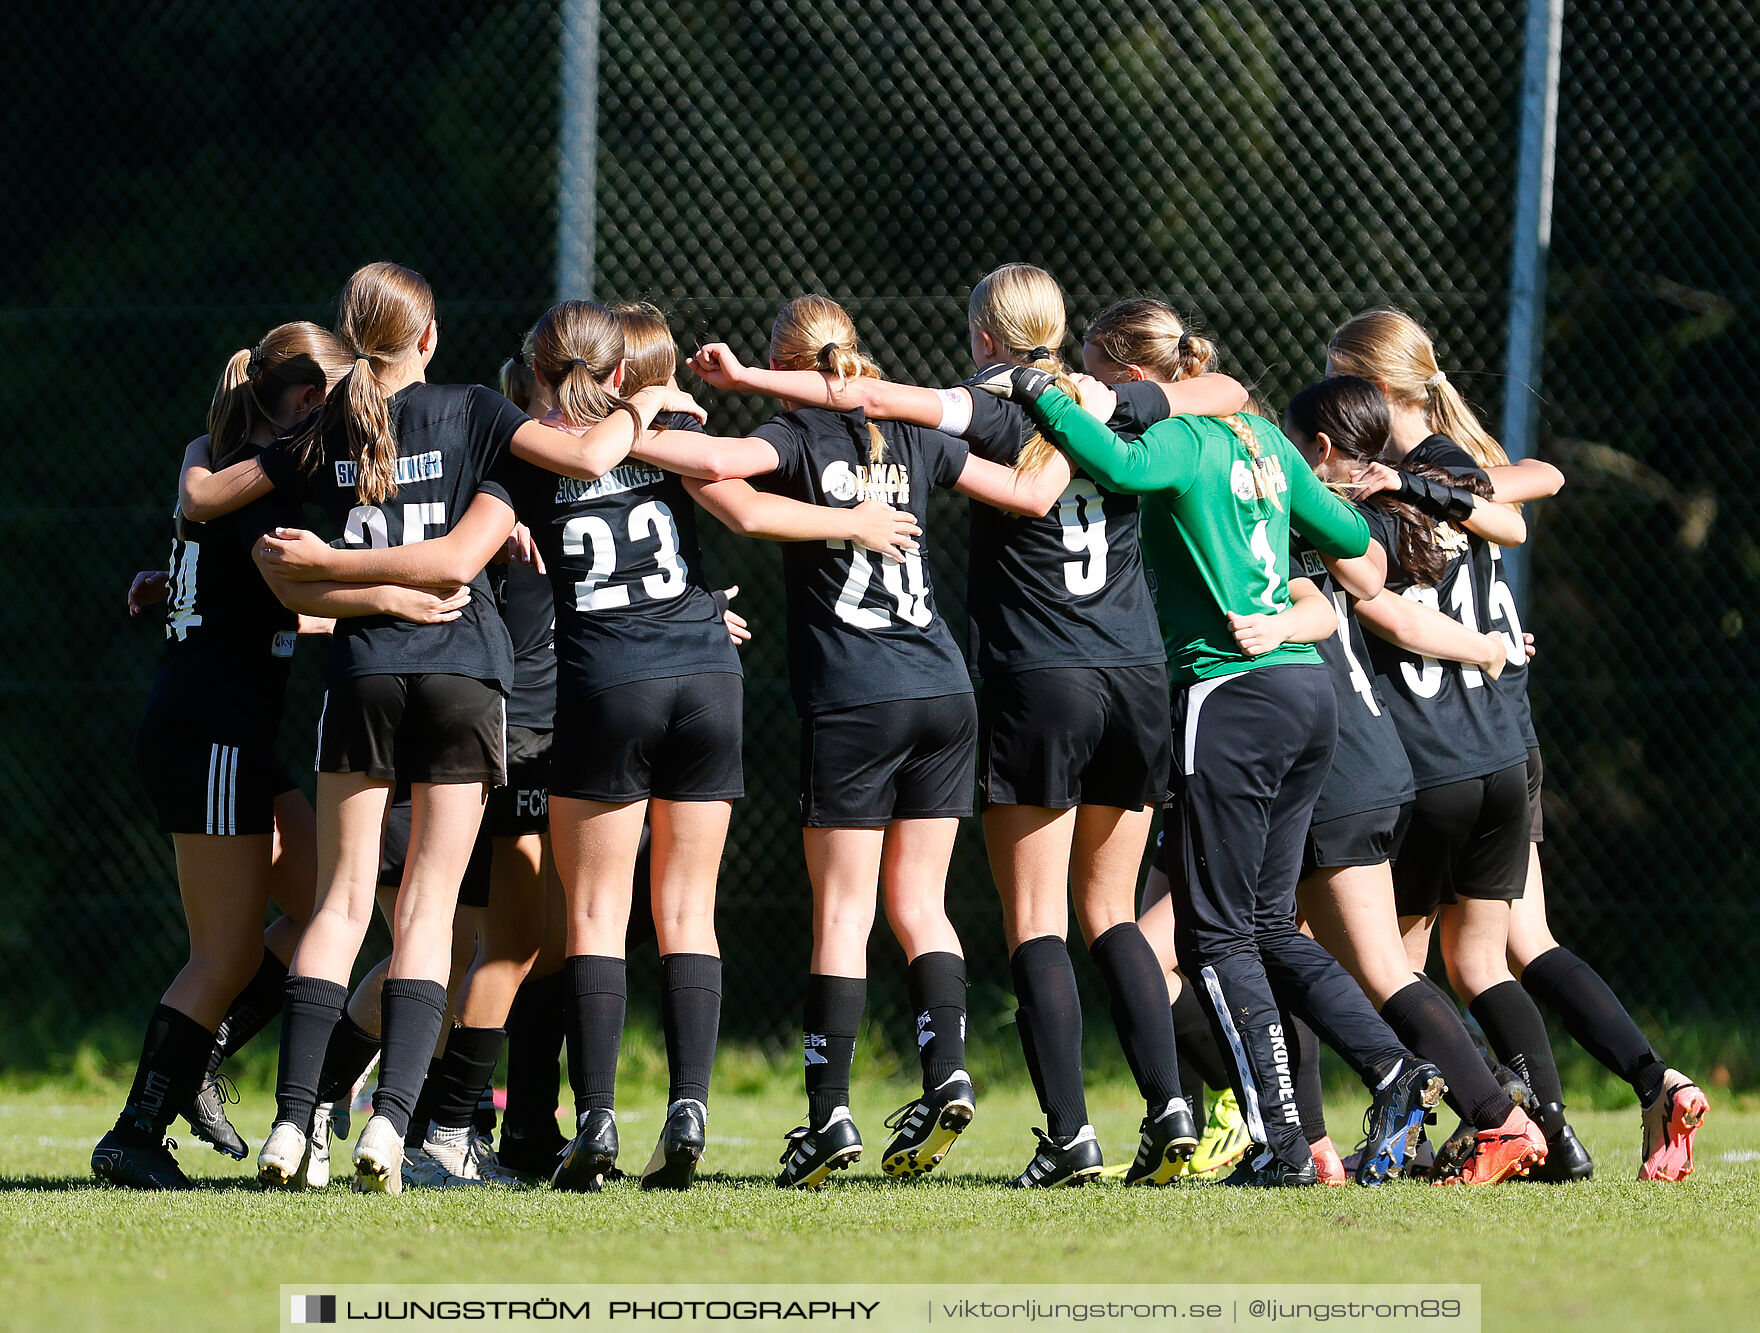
(676, 738)
(866, 766)
(1060, 737)
(415, 728)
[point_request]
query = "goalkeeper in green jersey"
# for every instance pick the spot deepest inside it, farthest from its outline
(1252, 741)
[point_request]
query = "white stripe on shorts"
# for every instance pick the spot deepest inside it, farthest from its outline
(232, 791)
(213, 792)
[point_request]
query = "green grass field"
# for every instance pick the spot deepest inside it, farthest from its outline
(1610, 1253)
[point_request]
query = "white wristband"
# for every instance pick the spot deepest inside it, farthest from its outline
(956, 410)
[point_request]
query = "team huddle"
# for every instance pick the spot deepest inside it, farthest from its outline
(1296, 643)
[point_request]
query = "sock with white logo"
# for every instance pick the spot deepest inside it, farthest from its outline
(174, 1056)
(1049, 1015)
(466, 1070)
(1517, 1034)
(255, 1007)
(938, 999)
(1140, 1013)
(598, 991)
(690, 1011)
(833, 1014)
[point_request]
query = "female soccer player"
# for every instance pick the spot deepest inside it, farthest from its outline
(392, 458)
(1394, 351)
(1220, 501)
(1061, 625)
(888, 741)
(206, 746)
(1346, 894)
(1464, 861)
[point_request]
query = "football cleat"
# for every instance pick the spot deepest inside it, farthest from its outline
(1395, 1117)
(1225, 1139)
(590, 1159)
(1166, 1146)
(926, 1128)
(813, 1154)
(1328, 1167)
(280, 1165)
(1514, 1148)
(1074, 1161)
(138, 1166)
(488, 1161)
(207, 1117)
(378, 1159)
(1670, 1122)
(533, 1154)
(452, 1149)
(682, 1140)
(1566, 1157)
(1269, 1171)
(1457, 1150)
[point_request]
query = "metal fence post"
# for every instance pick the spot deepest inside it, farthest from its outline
(1531, 243)
(577, 166)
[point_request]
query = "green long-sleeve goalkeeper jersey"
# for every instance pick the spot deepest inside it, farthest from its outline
(1215, 527)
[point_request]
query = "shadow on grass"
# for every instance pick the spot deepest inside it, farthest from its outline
(63, 1184)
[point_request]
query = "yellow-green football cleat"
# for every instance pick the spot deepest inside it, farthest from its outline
(1224, 1142)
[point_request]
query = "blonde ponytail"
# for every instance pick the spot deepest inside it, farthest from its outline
(383, 312)
(1021, 308)
(576, 348)
(815, 333)
(1256, 460)
(1391, 350)
(256, 380)
(1146, 333)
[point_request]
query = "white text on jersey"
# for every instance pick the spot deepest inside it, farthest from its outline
(417, 467)
(625, 477)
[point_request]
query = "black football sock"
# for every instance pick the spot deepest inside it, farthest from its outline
(1304, 1068)
(598, 999)
(937, 986)
(466, 1069)
(351, 1051)
(690, 1011)
(411, 1011)
(1140, 1014)
(1197, 1044)
(1517, 1034)
(174, 1058)
(417, 1130)
(309, 1010)
(832, 1017)
(255, 1007)
(534, 1053)
(1594, 1016)
(1430, 1026)
(1045, 989)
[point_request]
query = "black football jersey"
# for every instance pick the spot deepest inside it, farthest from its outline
(1369, 766)
(862, 629)
(528, 609)
(1066, 589)
(1454, 723)
(228, 641)
(449, 437)
(627, 574)
(1492, 593)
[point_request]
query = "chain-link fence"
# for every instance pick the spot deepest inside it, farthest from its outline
(182, 177)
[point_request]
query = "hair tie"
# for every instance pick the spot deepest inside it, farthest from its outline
(252, 366)
(1439, 378)
(1040, 353)
(519, 357)
(1185, 344)
(574, 361)
(826, 353)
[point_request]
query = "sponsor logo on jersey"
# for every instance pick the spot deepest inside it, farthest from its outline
(430, 466)
(890, 482)
(625, 477)
(1449, 538)
(1246, 488)
(284, 642)
(1312, 563)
